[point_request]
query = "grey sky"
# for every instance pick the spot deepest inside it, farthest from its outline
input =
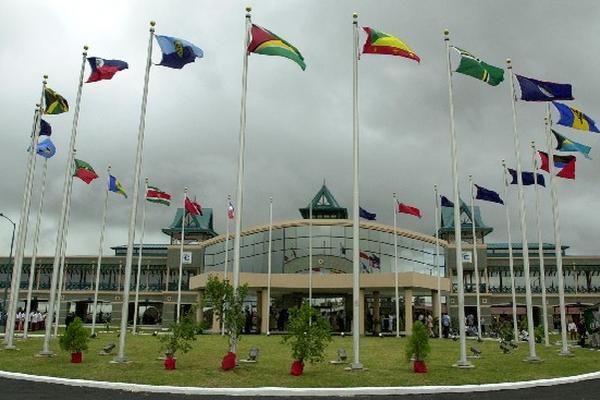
(299, 129)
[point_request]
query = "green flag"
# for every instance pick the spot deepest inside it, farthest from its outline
(473, 66)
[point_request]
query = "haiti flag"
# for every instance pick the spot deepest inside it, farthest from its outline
(104, 69)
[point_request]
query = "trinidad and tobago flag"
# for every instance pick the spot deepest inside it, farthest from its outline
(104, 69)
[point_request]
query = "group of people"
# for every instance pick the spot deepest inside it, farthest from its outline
(37, 320)
(578, 331)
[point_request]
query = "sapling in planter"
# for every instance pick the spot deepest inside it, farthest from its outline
(418, 347)
(75, 340)
(178, 339)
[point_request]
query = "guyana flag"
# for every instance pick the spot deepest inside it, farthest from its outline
(55, 103)
(84, 171)
(155, 195)
(473, 66)
(269, 44)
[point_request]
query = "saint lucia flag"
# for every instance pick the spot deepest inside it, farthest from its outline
(115, 186)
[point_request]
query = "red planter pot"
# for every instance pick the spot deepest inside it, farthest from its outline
(297, 368)
(419, 367)
(170, 363)
(228, 361)
(76, 357)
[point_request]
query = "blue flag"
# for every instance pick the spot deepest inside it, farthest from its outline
(488, 195)
(527, 178)
(573, 118)
(45, 128)
(366, 215)
(177, 52)
(534, 90)
(46, 148)
(446, 202)
(567, 145)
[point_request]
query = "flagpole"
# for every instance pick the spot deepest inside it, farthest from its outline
(510, 255)
(23, 222)
(269, 264)
(181, 254)
(356, 364)
(396, 291)
(226, 258)
(240, 176)
(99, 262)
(436, 214)
(524, 245)
(557, 243)
(140, 256)
(310, 257)
(121, 358)
(36, 237)
(475, 259)
(462, 362)
(540, 245)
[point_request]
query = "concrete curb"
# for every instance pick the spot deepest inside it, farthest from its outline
(282, 391)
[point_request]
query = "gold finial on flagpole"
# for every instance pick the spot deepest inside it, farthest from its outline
(355, 17)
(248, 9)
(152, 24)
(446, 34)
(508, 63)
(45, 79)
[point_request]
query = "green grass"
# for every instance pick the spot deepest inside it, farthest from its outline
(383, 358)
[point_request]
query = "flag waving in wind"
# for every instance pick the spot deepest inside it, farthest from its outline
(45, 128)
(567, 145)
(267, 43)
(573, 118)
(55, 103)
(115, 186)
(488, 195)
(46, 148)
(383, 43)
(104, 69)
(366, 215)
(84, 171)
(527, 178)
(446, 202)
(410, 210)
(566, 164)
(473, 66)
(177, 52)
(155, 195)
(192, 207)
(534, 90)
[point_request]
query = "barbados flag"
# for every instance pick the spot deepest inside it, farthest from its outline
(573, 118)
(115, 186)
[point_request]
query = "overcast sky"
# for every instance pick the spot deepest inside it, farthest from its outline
(299, 124)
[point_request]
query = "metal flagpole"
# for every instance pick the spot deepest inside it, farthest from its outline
(557, 243)
(63, 214)
(475, 260)
(269, 265)
(436, 214)
(140, 256)
(36, 237)
(240, 176)
(396, 292)
(356, 364)
(462, 362)
(121, 358)
(226, 258)
(181, 254)
(524, 245)
(510, 255)
(99, 262)
(540, 245)
(310, 257)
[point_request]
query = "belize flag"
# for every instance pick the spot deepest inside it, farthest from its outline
(104, 69)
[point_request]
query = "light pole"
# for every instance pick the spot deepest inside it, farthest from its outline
(12, 242)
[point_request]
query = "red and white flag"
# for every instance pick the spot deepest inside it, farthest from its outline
(230, 211)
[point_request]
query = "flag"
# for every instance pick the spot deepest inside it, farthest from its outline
(567, 145)
(84, 171)
(566, 164)
(573, 118)
(383, 43)
(192, 207)
(177, 52)
(527, 178)
(115, 186)
(45, 128)
(55, 103)
(488, 195)
(534, 90)
(230, 211)
(104, 69)
(155, 195)
(365, 261)
(446, 202)
(46, 148)
(375, 261)
(568, 171)
(267, 43)
(406, 209)
(473, 66)
(366, 215)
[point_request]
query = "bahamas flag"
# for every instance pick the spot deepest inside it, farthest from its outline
(115, 186)
(177, 52)
(567, 145)
(573, 118)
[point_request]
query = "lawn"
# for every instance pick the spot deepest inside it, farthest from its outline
(382, 357)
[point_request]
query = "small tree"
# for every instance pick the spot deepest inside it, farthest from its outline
(418, 343)
(75, 338)
(308, 333)
(180, 335)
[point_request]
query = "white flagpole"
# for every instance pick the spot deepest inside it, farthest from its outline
(240, 176)
(121, 358)
(510, 255)
(540, 244)
(356, 364)
(436, 215)
(181, 255)
(63, 214)
(396, 291)
(557, 243)
(22, 227)
(462, 362)
(100, 247)
(310, 256)
(140, 256)
(226, 257)
(475, 260)
(269, 264)
(525, 247)
(36, 236)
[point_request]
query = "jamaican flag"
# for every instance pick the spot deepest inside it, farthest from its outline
(55, 103)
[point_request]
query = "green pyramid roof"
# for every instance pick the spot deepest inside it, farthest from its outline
(194, 223)
(324, 206)
(466, 224)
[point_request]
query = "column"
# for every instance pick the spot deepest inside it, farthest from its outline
(435, 295)
(408, 311)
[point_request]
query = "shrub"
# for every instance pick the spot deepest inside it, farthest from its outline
(308, 333)
(180, 335)
(75, 338)
(418, 343)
